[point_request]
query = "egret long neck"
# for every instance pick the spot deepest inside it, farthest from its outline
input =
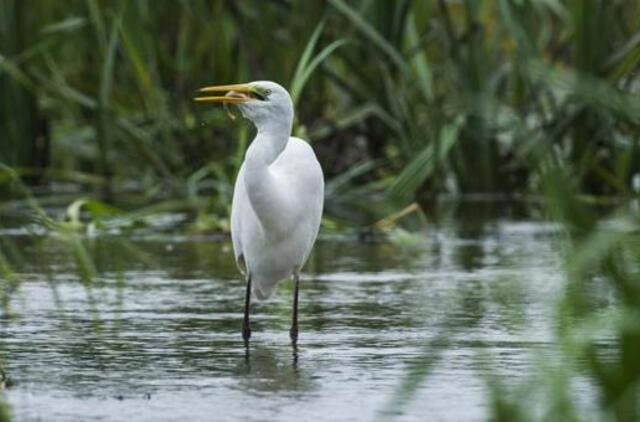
(265, 190)
(270, 141)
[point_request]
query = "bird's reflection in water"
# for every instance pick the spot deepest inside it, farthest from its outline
(273, 368)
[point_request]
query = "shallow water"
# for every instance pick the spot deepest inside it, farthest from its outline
(156, 335)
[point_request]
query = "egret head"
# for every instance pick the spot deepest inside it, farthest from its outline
(263, 102)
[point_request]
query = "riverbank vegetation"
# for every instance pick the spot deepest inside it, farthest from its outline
(404, 102)
(401, 100)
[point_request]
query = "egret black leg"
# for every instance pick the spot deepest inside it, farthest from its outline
(294, 322)
(246, 324)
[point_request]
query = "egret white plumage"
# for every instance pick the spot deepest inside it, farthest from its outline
(278, 195)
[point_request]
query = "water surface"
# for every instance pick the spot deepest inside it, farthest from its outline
(156, 334)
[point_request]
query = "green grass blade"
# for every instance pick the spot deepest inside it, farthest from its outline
(306, 54)
(426, 161)
(420, 62)
(371, 33)
(298, 84)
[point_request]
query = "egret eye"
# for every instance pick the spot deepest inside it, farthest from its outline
(260, 93)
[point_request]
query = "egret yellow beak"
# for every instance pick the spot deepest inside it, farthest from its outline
(241, 94)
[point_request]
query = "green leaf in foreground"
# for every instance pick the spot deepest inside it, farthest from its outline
(5, 416)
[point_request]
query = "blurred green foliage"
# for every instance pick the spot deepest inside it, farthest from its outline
(597, 324)
(4, 413)
(401, 99)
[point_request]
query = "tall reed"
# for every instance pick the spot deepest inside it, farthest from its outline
(419, 97)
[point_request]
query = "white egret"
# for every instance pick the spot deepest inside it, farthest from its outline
(278, 194)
